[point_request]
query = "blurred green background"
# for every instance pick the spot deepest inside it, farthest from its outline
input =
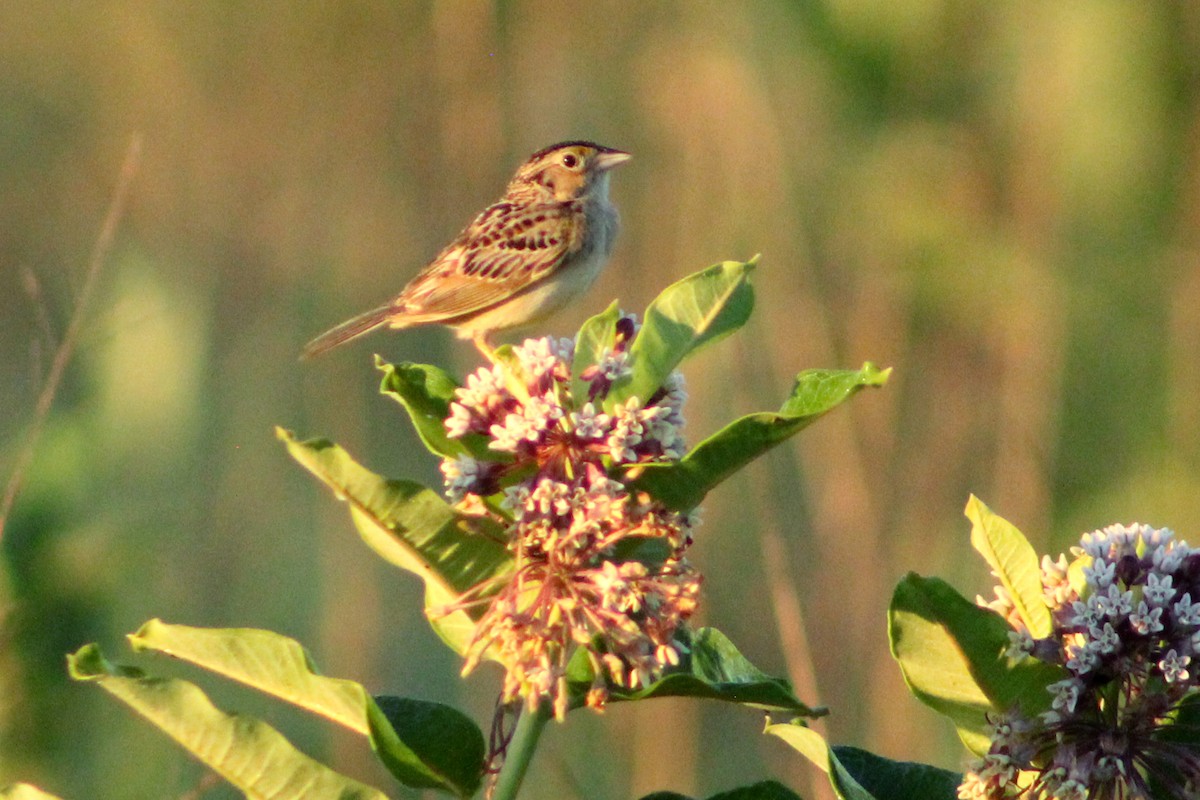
(1000, 200)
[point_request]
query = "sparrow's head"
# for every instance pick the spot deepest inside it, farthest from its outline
(568, 170)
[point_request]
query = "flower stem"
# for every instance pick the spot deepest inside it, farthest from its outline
(520, 752)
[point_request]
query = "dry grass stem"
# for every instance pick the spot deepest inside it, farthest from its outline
(62, 354)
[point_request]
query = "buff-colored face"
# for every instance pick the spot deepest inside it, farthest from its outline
(568, 171)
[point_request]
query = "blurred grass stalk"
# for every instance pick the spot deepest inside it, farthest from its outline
(62, 356)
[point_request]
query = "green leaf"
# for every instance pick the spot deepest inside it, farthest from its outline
(247, 752)
(712, 668)
(1015, 563)
(858, 775)
(683, 484)
(447, 741)
(812, 746)
(263, 660)
(1185, 727)
(595, 338)
(426, 392)
(764, 790)
(25, 791)
(1183, 733)
(696, 311)
(517, 377)
(952, 655)
(425, 745)
(415, 529)
(897, 780)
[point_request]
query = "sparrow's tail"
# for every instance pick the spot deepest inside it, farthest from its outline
(350, 329)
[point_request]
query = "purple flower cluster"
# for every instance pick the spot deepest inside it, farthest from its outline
(555, 481)
(1126, 628)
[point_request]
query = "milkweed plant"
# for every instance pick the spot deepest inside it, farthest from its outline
(557, 549)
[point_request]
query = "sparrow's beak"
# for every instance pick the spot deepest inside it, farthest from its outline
(611, 158)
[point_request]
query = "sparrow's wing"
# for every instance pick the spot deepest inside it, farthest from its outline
(507, 249)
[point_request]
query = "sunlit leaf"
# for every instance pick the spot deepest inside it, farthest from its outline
(952, 655)
(506, 355)
(263, 660)
(689, 314)
(415, 529)
(25, 791)
(425, 745)
(812, 746)
(1015, 562)
(683, 484)
(858, 775)
(712, 669)
(247, 752)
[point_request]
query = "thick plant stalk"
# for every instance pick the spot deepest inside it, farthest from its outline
(520, 752)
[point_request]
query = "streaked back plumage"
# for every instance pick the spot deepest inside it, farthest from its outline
(555, 213)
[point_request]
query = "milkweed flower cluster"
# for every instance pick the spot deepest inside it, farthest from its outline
(1126, 630)
(599, 565)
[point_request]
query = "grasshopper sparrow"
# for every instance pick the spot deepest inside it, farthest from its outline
(522, 259)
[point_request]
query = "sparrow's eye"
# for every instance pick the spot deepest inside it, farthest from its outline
(570, 160)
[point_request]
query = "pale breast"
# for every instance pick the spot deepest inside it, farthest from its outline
(572, 278)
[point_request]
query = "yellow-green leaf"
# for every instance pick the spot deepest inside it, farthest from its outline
(247, 752)
(1015, 563)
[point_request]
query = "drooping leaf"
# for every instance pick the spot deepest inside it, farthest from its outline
(247, 752)
(812, 746)
(897, 780)
(683, 484)
(952, 655)
(425, 745)
(448, 742)
(1015, 562)
(415, 529)
(262, 660)
(712, 669)
(764, 790)
(858, 775)
(689, 314)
